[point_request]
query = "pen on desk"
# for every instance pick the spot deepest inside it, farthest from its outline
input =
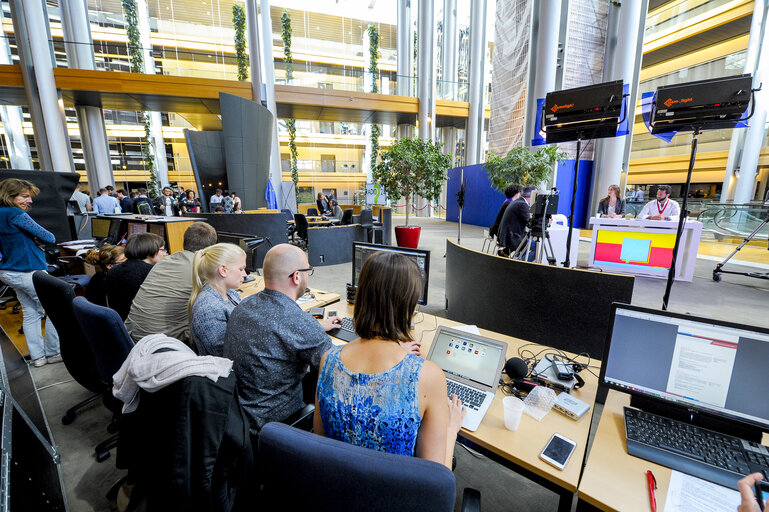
(652, 483)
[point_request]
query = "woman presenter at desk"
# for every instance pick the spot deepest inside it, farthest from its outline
(612, 206)
(373, 393)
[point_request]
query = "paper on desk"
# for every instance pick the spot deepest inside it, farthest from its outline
(472, 329)
(304, 299)
(690, 494)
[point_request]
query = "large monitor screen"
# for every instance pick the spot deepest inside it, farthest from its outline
(361, 251)
(694, 363)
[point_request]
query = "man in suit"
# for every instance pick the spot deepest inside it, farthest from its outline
(513, 225)
(512, 192)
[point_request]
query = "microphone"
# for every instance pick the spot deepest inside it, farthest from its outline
(517, 370)
(523, 384)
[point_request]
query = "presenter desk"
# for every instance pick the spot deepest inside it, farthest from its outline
(519, 450)
(614, 480)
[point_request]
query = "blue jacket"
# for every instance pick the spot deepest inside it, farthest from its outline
(18, 251)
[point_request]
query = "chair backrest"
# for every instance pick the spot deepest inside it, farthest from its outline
(289, 214)
(366, 219)
(347, 216)
(107, 335)
(312, 212)
(56, 296)
(331, 475)
(301, 225)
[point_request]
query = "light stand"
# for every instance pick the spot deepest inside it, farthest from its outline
(566, 261)
(461, 203)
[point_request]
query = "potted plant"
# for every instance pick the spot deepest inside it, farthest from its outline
(412, 166)
(522, 165)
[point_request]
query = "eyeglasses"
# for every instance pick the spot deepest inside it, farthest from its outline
(308, 270)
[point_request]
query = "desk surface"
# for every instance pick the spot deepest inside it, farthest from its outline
(643, 223)
(321, 298)
(523, 446)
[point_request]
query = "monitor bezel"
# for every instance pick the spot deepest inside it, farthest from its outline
(691, 409)
(404, 250)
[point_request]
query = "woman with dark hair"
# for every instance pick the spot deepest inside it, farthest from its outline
(102, 259)
(612, 205)
(20, 257)
(190, 203)
(374, 393)
(123, 281)
(323, 205)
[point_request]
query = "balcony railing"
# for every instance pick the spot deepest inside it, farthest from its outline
(729, 221)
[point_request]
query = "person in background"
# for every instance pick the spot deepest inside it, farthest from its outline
(512, 227)
(612, 206)
(105, 204)
(227, 203)
(662, 208)
(125, 202)
(82, 200)
(142, 251)
(639, 194)
(217, 271)
(323, 206)
(20, 257)
(102, 259)
(142, 204)
(160, 305)
(373, 393)
(237, 204)
(336, 213)
(190, 203)
(512, 193)
(237, 209)
(216, 200)
(110, 190)
(167, 202)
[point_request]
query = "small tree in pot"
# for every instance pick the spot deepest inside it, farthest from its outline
(412, 166)
(522, 165)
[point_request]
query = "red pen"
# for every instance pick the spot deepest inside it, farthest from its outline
(652, 483)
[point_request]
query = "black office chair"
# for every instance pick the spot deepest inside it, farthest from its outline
(56, 297)
(312, 212)
(347, 217)
(304, 471)
(290, 228)
(366, 221)
(301, 225)
(111, 344)
(8, 298)
(288, 213)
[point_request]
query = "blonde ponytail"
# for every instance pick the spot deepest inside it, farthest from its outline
(205, 263)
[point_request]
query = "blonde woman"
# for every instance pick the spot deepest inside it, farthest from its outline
(217, 271)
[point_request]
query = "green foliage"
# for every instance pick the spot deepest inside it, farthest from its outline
(285, 23)
(412, 166)
(239, 22)
(149, 157)
(522, 165)
(373, 65)
(291, 125)
(376, 131)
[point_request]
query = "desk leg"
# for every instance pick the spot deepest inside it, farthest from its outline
(565, 500)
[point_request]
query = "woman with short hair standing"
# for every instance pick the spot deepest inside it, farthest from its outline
(20, 257)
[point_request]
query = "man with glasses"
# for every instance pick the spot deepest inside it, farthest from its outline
(273, 341)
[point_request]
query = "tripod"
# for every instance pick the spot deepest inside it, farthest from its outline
(542, 238)
(759, 275)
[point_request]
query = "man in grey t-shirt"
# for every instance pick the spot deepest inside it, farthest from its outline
(272, 341)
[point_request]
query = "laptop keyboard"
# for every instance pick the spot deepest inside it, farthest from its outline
(347, 324)
(697, 451)
(470, 397)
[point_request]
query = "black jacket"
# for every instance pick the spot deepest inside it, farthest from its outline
(619, 208)
(187, 446)
(513, 224)
(494, 229)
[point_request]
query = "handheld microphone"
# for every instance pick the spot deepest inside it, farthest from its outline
(523, 384)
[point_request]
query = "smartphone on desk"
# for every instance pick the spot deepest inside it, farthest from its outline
(558, 451)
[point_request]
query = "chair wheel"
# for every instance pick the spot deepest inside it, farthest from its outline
(67, 418)
(101, 457)
(716, 277)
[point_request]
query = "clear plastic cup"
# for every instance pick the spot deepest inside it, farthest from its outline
(513, 411)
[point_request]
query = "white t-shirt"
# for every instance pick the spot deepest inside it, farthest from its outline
(216, 199)
(668, 209)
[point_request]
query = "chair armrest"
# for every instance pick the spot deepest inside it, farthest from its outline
(471, 500)
(302, 419)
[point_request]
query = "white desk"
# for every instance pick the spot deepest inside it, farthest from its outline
(644, 247)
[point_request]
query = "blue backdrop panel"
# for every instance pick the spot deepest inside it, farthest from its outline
(565, 182)
(481, 200)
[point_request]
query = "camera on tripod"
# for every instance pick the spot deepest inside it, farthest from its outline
(545, 206)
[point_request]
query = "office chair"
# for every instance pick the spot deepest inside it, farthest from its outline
(366, 221)
(347, 217)
(8, 297)
(56, 296)
(305, 471)
(290, 228)
(312, 212)
(111, 344)
(300, 222)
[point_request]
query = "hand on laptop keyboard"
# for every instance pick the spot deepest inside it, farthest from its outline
(457, 414)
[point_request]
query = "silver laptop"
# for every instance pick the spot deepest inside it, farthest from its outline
(472, 365)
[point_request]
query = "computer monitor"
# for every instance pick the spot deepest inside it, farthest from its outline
(699, 370)
(136, 227)
(362, 250)
(115, 228)
(100, 228)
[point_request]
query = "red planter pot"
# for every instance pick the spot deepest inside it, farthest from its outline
(408, 236)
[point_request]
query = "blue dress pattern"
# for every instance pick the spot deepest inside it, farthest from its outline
(378, 411)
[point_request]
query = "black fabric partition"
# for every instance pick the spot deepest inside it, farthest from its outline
(332, 245)
(269, 225)
(559, 307)
(49, 208)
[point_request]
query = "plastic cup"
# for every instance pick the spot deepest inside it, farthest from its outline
(513, 411)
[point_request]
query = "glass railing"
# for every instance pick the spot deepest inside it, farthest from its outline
(724, 220)
(323, 166)
(678, 12)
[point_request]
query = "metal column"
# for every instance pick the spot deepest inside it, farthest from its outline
(449, 51)
(93, 132)
(426, 78)
(276, 175)
(474, 135)
(405, 56)
(254, 55)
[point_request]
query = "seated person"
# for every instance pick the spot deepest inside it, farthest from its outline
(102, 259)
(662, 208)
(612, 206)
(323, 205)
(512, 227)
(142, 251)
(161, 303)
(512, 192)
(272, 341)
(337, 213)
(373, 393)
(217, 271)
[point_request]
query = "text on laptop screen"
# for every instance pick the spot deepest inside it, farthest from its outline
(716, 368)
(467, 357)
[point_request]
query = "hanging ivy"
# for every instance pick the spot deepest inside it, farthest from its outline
(291, 125)
(239, 22)
(376, 131)
(373, 65)
(136, 56)
(285, 23)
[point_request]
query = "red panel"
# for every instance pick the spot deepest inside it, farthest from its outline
(608, 252)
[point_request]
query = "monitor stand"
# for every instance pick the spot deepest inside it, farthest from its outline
(699, 419)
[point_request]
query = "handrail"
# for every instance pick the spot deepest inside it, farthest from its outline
(733, 219)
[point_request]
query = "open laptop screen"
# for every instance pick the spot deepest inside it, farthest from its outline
(467, 356)
(690, 362)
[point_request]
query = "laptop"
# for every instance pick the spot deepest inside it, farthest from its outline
(697, 389)
(472, 365)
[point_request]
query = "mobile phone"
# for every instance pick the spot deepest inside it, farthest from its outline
(561, 369)
(558, 451)
(762, 493)
(331, 313)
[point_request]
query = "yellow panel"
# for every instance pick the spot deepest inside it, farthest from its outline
(661, 240)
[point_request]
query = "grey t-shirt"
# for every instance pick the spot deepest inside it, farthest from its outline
(272, 342)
